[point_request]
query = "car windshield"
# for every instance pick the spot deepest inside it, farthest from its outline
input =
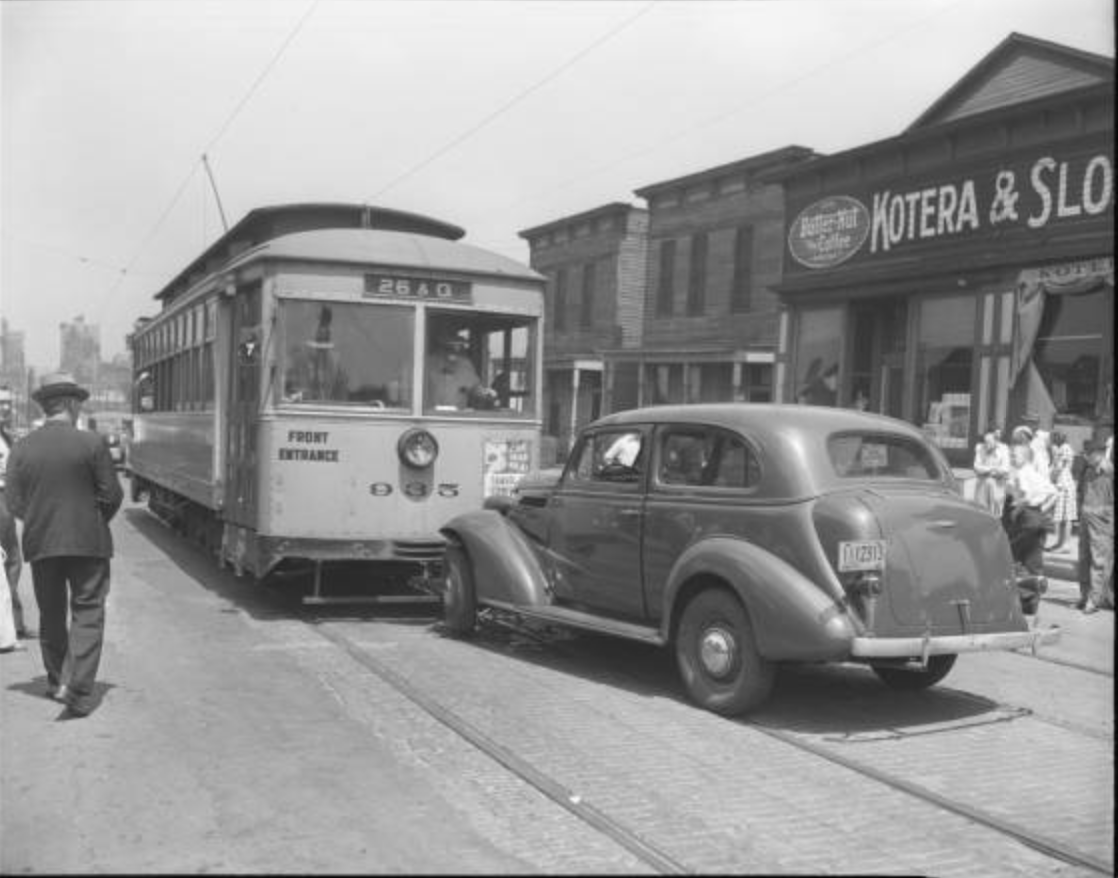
(880, 455)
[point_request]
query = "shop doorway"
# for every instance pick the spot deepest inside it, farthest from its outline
(878, 333)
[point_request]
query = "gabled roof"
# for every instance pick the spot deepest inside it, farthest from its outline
(1018, 69)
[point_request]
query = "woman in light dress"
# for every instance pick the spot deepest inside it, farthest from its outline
(8, 639)
(1064, 514)
(991, 465)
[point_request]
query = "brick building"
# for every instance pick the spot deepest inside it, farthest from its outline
(666, 304)
(595, 267)
(715, 244)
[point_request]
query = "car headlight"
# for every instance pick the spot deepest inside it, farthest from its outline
(417, 448)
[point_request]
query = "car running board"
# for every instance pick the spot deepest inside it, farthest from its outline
(585, 621)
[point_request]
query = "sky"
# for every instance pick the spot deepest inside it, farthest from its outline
(496, 116)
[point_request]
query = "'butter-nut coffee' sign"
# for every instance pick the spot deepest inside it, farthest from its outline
(829, 231)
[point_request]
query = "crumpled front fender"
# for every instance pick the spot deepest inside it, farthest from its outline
(506, 568)
(792, 617)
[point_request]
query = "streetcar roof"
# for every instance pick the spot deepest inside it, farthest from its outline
(264, 223)
(391, 249)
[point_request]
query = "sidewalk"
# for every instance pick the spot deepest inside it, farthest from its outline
(1064, 565)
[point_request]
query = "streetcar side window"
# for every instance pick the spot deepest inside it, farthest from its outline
(348, 353)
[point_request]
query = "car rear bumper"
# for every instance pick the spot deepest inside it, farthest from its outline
(922, 647)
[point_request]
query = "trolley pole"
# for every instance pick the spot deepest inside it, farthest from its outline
(213, 185)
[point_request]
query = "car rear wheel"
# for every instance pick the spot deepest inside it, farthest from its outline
(717, 655)
(899, 678)
(459, 595)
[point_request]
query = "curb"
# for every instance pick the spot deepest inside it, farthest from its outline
(1062, 568)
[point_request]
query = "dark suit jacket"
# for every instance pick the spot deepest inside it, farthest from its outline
(61, 482)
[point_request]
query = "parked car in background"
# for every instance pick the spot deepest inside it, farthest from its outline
(116, 449)
(742, 536)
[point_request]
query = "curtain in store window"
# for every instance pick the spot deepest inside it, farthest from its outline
(1033, 284)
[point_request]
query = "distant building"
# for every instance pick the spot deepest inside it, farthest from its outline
(80, 344)
(13, 368)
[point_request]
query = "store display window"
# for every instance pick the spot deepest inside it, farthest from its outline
(817, 356)
(944, 368)
(1064, 351)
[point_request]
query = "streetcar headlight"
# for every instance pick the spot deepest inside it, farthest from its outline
(417, 448)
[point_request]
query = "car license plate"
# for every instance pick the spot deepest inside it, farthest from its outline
(861, 555)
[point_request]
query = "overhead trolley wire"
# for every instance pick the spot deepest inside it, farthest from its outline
(108, 298)
(721, 117)
(508, 105)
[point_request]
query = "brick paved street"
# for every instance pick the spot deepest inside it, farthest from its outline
(235, 737)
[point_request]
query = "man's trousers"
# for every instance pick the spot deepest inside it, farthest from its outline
(71, 591)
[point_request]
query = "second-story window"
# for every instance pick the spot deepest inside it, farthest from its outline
(664, 292)
(586, 303)
(697, 279)
(742, 293)
(560, 314)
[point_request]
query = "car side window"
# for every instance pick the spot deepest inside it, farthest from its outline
(610, 456)
(706, 456)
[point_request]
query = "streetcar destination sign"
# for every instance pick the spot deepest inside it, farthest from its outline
(395, 286)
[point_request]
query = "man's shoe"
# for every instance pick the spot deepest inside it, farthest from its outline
(58, 693)
(1089, 608)
(1080, 604)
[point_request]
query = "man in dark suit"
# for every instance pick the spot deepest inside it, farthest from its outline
(62, 484)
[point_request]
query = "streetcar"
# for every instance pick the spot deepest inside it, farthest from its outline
(332, 383)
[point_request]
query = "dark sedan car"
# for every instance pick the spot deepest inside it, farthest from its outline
(746, 535)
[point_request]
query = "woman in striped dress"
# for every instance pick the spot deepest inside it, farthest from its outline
(1064, 513)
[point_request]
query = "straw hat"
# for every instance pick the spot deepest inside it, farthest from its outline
(57, 384)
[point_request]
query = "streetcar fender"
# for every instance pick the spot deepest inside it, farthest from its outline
(505, 566)
(792, 617)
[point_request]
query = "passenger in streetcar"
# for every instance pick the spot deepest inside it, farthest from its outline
(316, 372)
(452, 380)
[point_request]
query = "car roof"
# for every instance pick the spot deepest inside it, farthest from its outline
(792, 437)
(761, 417)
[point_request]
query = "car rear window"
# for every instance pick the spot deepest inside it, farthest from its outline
(880, 455)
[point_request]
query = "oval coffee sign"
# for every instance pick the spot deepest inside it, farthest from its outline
(829, 231)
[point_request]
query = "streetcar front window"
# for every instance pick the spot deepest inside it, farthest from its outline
(479, 362)
(354, 354)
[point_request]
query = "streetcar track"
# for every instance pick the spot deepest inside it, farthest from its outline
(662, 862)
(1040, 842)
(651, 854)
(1046, 845)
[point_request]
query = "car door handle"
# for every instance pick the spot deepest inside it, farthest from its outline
(943, 524)
(628, 513)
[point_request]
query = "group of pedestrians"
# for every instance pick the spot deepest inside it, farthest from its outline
(1038, 486)
(61, 483)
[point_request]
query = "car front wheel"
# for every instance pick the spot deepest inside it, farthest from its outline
(459, 596)
(717, 655)
(899, 678)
